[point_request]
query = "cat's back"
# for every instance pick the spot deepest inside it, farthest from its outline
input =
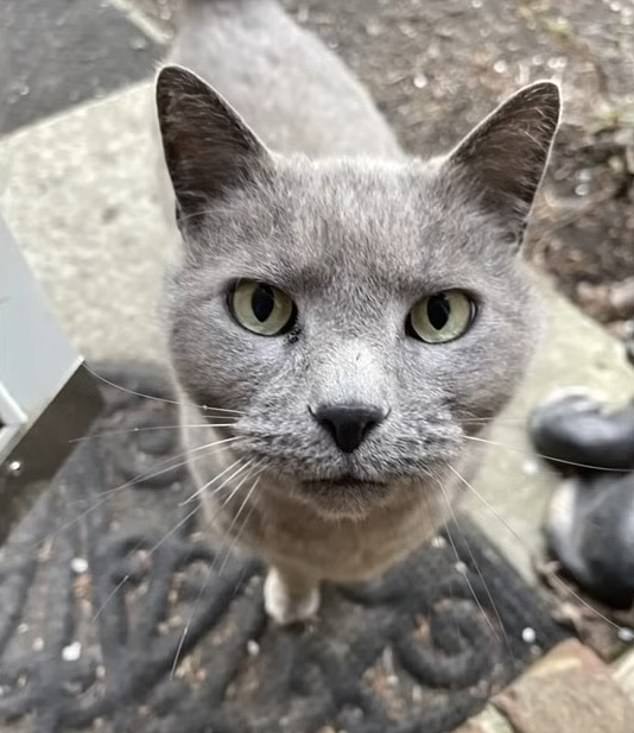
(288, 86)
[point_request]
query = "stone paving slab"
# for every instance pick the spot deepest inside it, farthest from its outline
(624, 673)
(57, 53)
(570, 689)
(489, 721)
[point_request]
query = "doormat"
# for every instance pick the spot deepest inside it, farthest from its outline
(117, 615)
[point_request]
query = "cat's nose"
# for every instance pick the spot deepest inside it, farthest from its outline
(348, 424)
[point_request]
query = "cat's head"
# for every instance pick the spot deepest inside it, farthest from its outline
(359, 316)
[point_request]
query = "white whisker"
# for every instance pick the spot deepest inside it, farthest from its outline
(150, 552)
(125, 431)
(237, 488)
(484, 583)
(509, 528)
(165, 537)
(464, 575)
(137, 479)
(212, 481)
(234, 540)
(210, 569)
(109, 597)
(135, 393)
(546, 457)
(181, 641)
(174, 529)
(514, 422)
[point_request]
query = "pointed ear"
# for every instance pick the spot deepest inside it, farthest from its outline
(502, 161)
(208, 148)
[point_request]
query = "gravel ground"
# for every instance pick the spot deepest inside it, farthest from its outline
(436, 67)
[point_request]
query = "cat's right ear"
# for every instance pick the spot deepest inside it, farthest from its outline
(209, 150)
(502, 161)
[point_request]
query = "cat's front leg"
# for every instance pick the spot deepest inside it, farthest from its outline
(290, 596)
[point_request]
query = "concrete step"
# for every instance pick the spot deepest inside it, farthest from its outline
(80, 196)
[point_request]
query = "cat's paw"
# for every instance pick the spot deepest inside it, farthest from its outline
(286, 606)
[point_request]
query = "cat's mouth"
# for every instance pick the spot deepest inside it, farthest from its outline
(344, 481)
(344, 495)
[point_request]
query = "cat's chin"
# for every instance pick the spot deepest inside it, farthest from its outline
(345, 497)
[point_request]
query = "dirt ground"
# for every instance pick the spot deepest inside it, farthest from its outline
(436, 67)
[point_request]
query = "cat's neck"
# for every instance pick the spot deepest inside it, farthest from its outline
(285, 530)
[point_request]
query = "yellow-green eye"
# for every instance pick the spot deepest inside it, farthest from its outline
(261, 308)
(441, 317)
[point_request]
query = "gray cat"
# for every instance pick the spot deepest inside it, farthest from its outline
(350, 313)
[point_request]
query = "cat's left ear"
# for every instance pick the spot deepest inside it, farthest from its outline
(502, 161)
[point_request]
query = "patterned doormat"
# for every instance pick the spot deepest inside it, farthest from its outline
(116, 615)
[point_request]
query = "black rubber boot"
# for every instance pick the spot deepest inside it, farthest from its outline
(590, 530)
(578, 429)
(590, 523)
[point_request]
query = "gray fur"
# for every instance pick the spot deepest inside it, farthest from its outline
(287, 85)
(356, 242)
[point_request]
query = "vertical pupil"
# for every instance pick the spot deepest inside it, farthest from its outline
(262, 302)
(438, 310)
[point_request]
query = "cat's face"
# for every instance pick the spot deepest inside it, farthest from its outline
(359, 317)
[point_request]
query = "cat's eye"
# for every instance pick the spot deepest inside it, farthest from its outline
(261, 308)
(441, 317)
